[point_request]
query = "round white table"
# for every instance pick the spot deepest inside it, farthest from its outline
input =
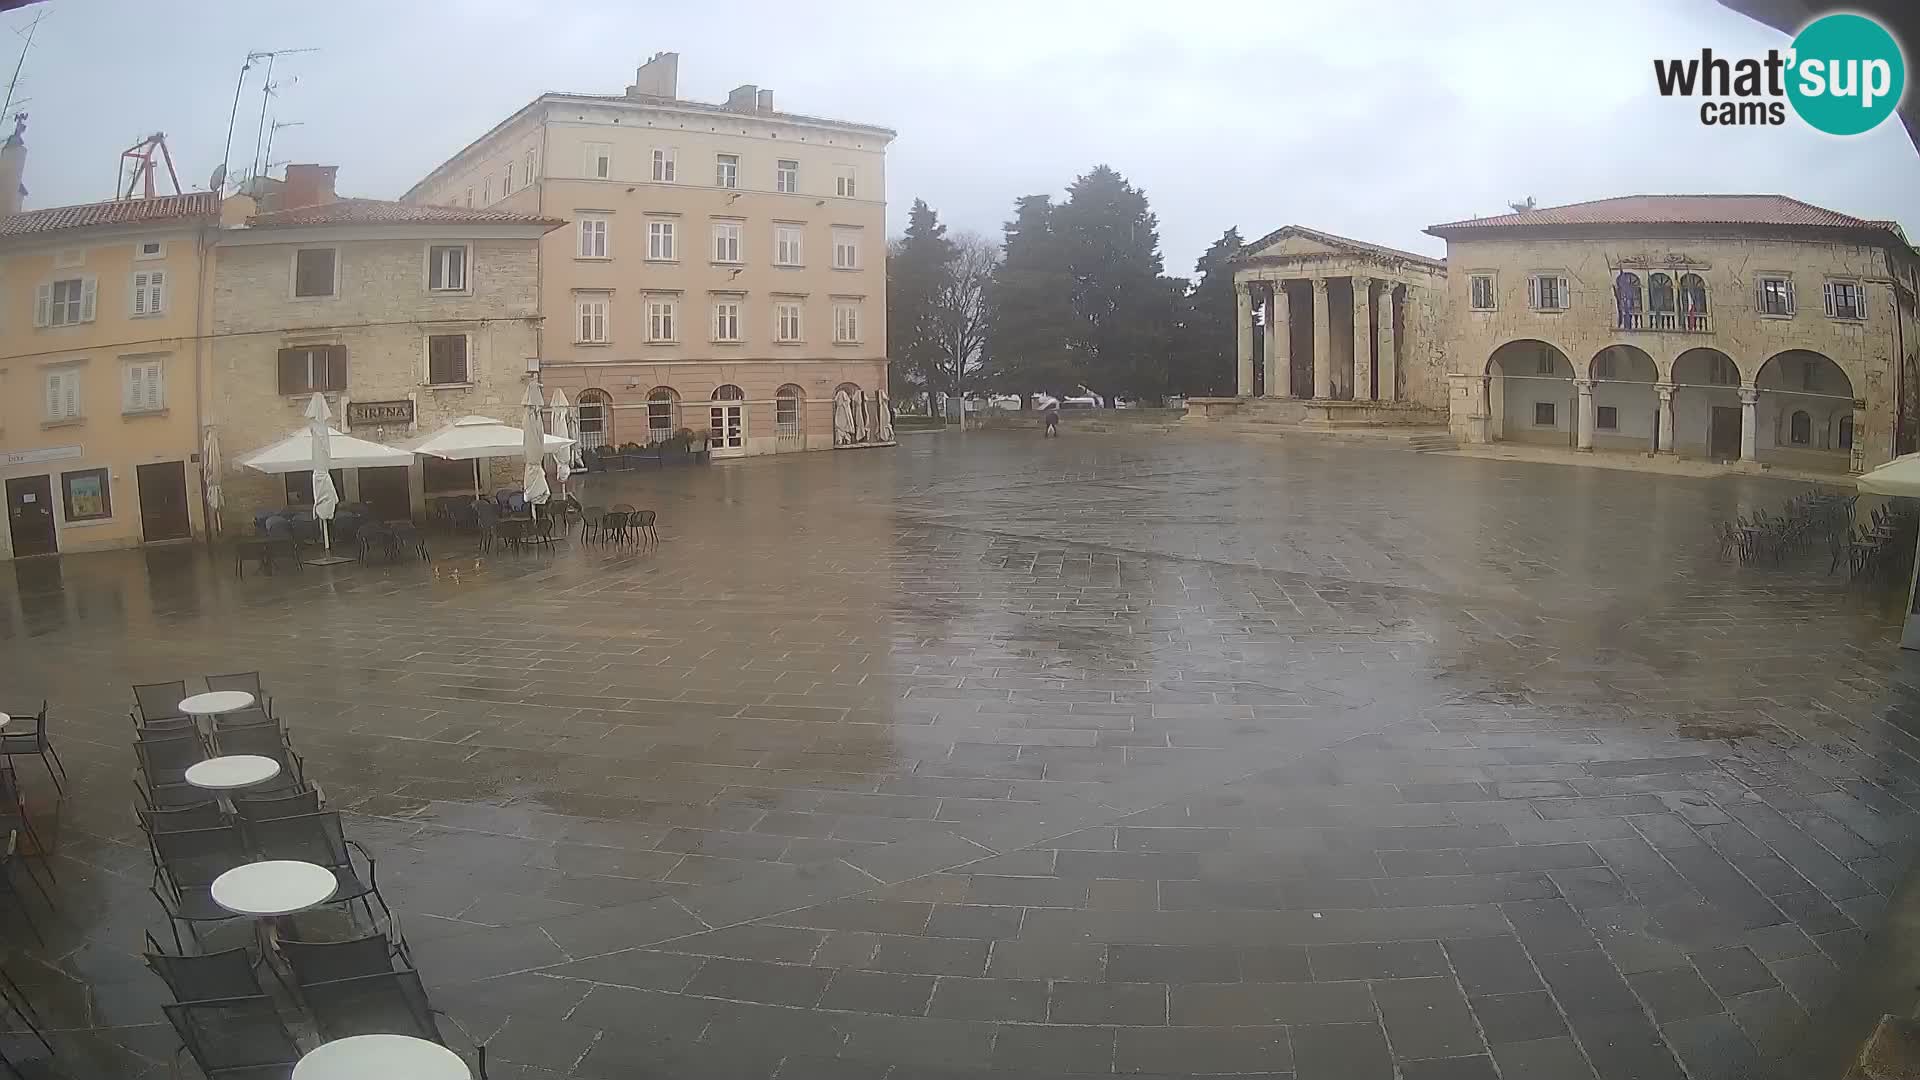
(5, 720)
(216, 702)
(401, 1057)
(273, 888)
(232, 771)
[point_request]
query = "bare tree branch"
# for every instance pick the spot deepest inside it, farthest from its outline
(961, 309)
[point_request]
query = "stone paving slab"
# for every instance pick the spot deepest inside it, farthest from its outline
(997, 758)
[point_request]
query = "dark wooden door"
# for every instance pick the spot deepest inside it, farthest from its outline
(163, 501)
(386, 491)
(30, 515)
(1723, 432)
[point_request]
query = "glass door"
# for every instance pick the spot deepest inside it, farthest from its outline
(727, 430)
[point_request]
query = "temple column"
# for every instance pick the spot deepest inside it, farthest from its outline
(1389, 363)
(1279, 332)
(1583, 415)
(1322, 342)
(1749, 420)
(1362, 339)
(1243, 305)
(1664, 391)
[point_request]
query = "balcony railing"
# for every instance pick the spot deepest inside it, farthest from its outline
(1664, 322)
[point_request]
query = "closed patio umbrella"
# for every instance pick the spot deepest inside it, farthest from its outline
(533, 448)
(1900, 478)
(210, 467)
(325, 499)
(566, 427)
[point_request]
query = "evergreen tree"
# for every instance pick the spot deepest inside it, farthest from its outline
(918, 265)
(1029, 336)
(1122, 309)
(1204, 354)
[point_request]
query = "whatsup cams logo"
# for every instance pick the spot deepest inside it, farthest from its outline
(1843, 75)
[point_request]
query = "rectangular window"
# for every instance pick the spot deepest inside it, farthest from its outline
(149, 292)
(447, 268)
(786, 322)
(150, 249)
(1846, 300)
(590, 320)
(486, 192)
(1776, 296)
(786, 176)
(726, 170)
(63, 394)
(1543, 414)
(313, 271)
(726, 321)
(64, 303)
(726, 241)
(786, 245)
(313, 368)
(663, 164)
(593, 237)
(599, 162)
(659, 417)
(843, 181)
(469, 196)
(1480, 292)
(142, 386)
(786, 414)
(660, 240)
(846, 323)
(846, 251)
(86, 495)
(529, 164)
(447, 360)
(1606, 418)
(1549, 292)
(660, 320)
(506, 185)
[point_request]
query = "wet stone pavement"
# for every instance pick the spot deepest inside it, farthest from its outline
(995, 758)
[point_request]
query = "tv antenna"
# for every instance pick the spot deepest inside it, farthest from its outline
(267, 163)
(13, 83)
(141, 156)
(266, 88)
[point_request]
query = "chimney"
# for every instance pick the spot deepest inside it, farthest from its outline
(308, 185)
(13, 166)
(764, 101)
(659, 77)
(744, 98)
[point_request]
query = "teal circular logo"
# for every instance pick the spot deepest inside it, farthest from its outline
(1846, 75)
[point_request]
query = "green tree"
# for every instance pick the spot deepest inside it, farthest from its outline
(1030, 331)
(918, 265)
(1123, 312)
(1203, 361)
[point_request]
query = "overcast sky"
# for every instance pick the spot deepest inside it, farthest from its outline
(1370, 119)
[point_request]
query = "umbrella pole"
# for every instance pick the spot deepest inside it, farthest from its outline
(1910, 628)
(326, 534)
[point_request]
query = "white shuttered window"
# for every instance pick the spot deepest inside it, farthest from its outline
(143, 387)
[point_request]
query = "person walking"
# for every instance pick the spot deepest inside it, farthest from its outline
(1050, 412)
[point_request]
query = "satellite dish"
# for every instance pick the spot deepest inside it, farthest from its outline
(218, 181)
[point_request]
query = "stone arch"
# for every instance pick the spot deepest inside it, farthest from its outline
(1626, 409)
(790, 416)
(663, 413)
(1707, 404)
(1530, 395)
(1800, 400)
(594, 411)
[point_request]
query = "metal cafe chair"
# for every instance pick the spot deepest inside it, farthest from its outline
(160, 701)
(319, 839)
(186, 864)
(234, 1038)
(277, 806)
(330, 961)
(246, 681)
(230, 973)
(19, 738)
(386, 1003)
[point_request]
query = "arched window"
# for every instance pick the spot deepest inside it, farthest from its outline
(1660, 302)
(852, 390)
(788, 403)
(729, 392)
(596, 418)
(660, 410)
(1800, 428)
(1626, 297)
(1846, 432)
(1693, 302)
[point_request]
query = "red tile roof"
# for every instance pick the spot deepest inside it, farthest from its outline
(167, 208)
(1774, 210)
(383, 212)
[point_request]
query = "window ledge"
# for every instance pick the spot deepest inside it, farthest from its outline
(134, 414)
(594, 344)
(725, 262)
(849, 269)
(736, 342)
(1775, 315)
(593, 258)
(71, 421)
(789, 266)
(148, 314)
(1483, 310)
(449, 292)
(849, 343)
(308, 299)
(87, 523)
(448, 385)
(794, 342)
(652, 259)
(1549, 311)
(663, 341)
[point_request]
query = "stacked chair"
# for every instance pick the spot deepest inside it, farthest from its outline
(232, 1022)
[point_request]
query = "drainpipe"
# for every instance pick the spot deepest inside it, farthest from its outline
(200, 301)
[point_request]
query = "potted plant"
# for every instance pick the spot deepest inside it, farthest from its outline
(696, 443)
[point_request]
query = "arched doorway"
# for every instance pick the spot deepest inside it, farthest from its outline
(1530, 394)
(1707, 415)
(595, 411)
(790, 417)
(1626, 411)
(1803, 413)
(663, 414)
(727, 422)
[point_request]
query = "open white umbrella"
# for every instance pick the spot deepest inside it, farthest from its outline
(1900, 478)
(566, 427)
(303, 452)
(532, 448)
(473, 437)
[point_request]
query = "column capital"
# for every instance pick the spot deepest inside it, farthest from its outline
(1319, 284)
(1665, 390)
(1749, 395)
(1585, 386)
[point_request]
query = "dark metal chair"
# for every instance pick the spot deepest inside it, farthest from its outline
(13, 892)
(247, 717)
(330, 961)
(278, 806)
(267, 741)
(319, 839)
(235, 1038)
(186, 864)
(230, 973)
(613, 525)
(591, 520)
(246, 681)
(160, 701)
(28, 1013)
(641, 521)
(387, 1003)
(200, 815)
(173, 795)
(14, 818)
(19, 738)
(165, 757)
(407, 535)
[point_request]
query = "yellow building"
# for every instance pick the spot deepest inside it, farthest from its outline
(723, 268)
(101, 317)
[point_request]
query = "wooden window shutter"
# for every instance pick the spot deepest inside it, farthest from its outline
(1828, 288)
(139, 295)
(1533, 292)
(133, 394)
(70, 393)
(336, 367)
(55, 380)
(43, 304)
(1790, 296)
(87, 293)
(1566, 295)
(293, 370)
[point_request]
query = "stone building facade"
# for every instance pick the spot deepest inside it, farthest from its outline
(406, 318)
(724, 265)
(1348, 330)
(1737, 327)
